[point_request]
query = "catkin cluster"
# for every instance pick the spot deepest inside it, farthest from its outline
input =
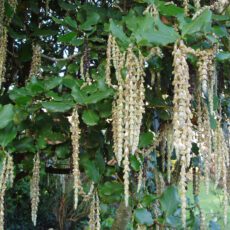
(128, 107)
(4, 23)
(75, 136)
(7, 175)
(94, 214)
(35, 69)
(182, 115)
(207, 74)
(34, 189)
(221, 158)
(205, 141)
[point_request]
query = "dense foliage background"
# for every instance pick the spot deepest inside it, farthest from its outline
(33, 112)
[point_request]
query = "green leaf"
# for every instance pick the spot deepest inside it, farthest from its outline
(143, 216)
(6, 115)
(20, 96)
(117, 32)
(135, 164)
(79, 96)
(69, 21)
(170, 200)
(62, 151)
(90, 117)
(148, 199)
(201, 24)
(91, 169)
(223, 56)
(146, 139)
(52, 82)
(91, 20)
(66, 6)
(56, 106)
(45, 32)
(7, 135)
(148, 30)
(170, 10)
(111, 191)
(25, 144)
(98, 96)
(67, 37)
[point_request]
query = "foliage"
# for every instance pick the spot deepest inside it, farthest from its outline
(34, 112)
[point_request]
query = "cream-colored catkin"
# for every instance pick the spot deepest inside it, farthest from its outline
(141, 227)
(140, 176)
(197, 3)
(3, 182)
(182, 116)
(7, 175)
(75, 136)
(97, 206)
(94, 215)
(118, 124)
(108, 61)
(226, 195)
(169, 135)
(185, 5)
(10, 169)
(126, 171)
(35, 68)
(2, 14)
(3, 48)
(128, 107)
(34, 189)
(205, 141)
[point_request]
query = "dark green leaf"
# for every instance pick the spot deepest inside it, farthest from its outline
(90, 117)
(67, 37)
(143, 216)
(117, 32)
(201, 23)
(56, 106)
(170, 200)
(6, 115)
(7, 135)
(223, 56)
(134, 162)
(146, 139)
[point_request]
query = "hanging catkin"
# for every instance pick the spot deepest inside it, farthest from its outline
(205, 141)
(186, 9)
(128, 107)
(35, 69)
(3, 48)
(7, 175)
(75, 136)
(4, 23)
(34, 189)
(182, 115)
(94, 214)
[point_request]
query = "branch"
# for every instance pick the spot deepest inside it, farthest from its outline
(71, 57)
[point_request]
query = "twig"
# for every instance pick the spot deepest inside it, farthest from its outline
(59, 59)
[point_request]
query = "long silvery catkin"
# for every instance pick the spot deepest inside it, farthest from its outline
(75, 136)
(182, 115)
(7, 175)
(34, 189)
